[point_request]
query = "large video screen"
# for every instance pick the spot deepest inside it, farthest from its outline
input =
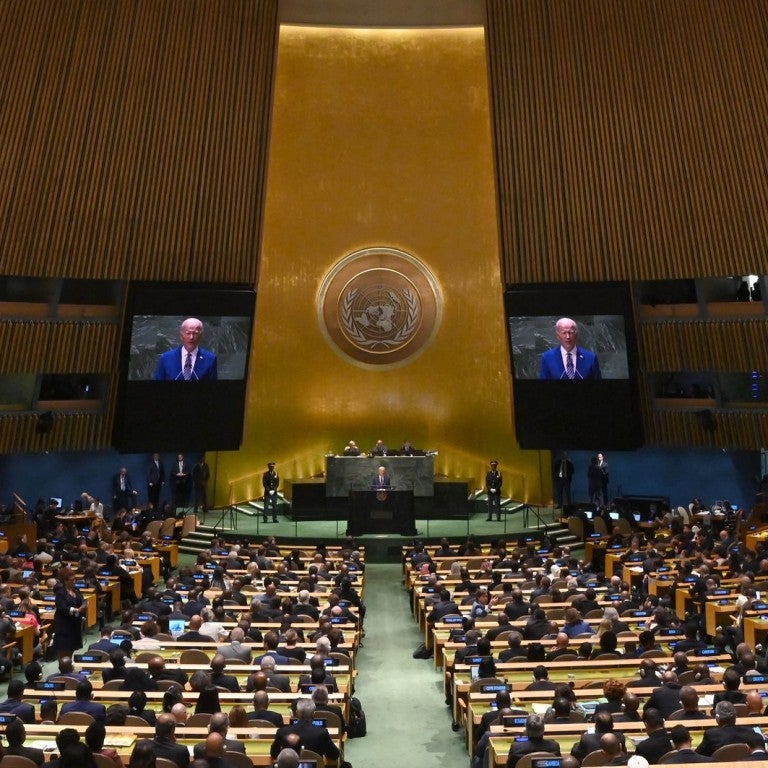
(574, 363)
(183, 367)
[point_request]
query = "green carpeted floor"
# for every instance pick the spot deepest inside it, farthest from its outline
(408, 722)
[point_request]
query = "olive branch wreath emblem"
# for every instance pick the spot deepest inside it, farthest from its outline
(402, 335)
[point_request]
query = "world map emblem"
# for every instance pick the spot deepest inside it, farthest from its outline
(379, 307)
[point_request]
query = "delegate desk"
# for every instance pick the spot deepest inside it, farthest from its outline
(258, 741)
(382, 511)
(346, 473)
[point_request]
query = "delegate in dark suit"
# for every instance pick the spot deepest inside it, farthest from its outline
(686, 756)
(656, 745)
(312, 737)
(123, 494)
(520, 748)
(170, 366)
(155, 480)
(381, 480)
(585, 365)
(568, 361)
(714, 738)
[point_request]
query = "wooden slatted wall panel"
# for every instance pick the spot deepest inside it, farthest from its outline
(135, 137)
(733, 429)
(31, 346)
(738, 345)
(630, 137)
(71, 432)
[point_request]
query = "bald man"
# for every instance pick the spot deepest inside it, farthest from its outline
(568, 361)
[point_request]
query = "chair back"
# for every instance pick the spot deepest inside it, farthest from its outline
(199, 720)
(17, 761)
(261, 724)
(168, 526)
(164, 762)
(102, 761)
(164, 685)
(75, 718)
(238, 759)
(730, 753)
(194, 656)
(668, 757)
(330, 719)
(189, 526)
(598, 757)
(576, 527)
(136, 721)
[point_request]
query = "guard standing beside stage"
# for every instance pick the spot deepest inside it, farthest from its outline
(493, 481)
(270, 480)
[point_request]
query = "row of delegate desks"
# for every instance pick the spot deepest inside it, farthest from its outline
(479, 702)
(342, 673)
(567, 735)
(517, 674)
(171, 650)
(258, 741)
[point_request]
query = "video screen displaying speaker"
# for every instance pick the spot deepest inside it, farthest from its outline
(573, 353)
(183, 367)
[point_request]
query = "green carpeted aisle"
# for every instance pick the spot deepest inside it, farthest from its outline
(408, 722)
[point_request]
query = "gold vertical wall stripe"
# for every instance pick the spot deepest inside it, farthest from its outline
(629, 137)
(134, 137)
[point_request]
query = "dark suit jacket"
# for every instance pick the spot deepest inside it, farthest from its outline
(584, 361)
(520, 748)
(97, 711)
(36, 755)
(687, 756)
(312, 737)
(226, 681)
(267, 714)
(666, 698)
(656, 745)
(714, 738)
(230, 745)
(169, 366)
(589, 742)
(381, 481)
(103, 645)
(172, 751)
(25, 712)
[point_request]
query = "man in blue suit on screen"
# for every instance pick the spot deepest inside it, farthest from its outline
(568, 361)
(189, 362)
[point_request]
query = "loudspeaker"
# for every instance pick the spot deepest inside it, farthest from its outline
(707, 420)
(44, 423)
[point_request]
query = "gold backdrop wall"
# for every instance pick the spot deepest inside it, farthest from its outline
(380, 138)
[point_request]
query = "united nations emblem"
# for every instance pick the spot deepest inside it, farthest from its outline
(379, 307)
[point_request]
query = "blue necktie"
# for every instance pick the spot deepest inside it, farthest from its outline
(570, 372)
(188, 367)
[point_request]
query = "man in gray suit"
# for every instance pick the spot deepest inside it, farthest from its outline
(236, 649)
